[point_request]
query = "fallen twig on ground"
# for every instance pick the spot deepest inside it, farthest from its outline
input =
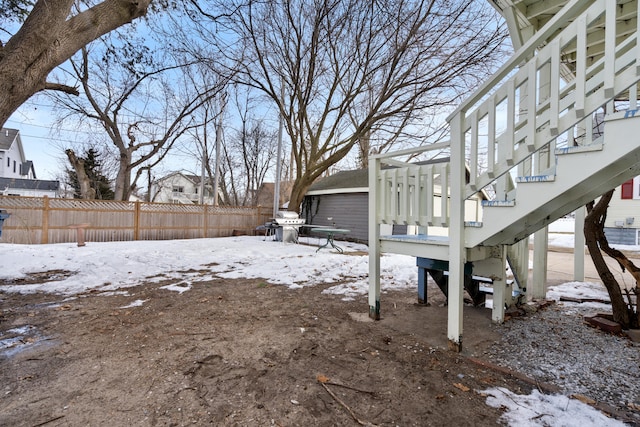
(49, 421)
(349, 387)
(323, 382)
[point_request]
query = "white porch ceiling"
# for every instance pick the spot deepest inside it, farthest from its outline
(525, 17)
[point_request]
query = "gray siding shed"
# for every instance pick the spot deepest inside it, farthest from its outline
(346, 210)
(344, 197)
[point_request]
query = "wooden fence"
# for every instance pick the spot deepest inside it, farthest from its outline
(44, 220)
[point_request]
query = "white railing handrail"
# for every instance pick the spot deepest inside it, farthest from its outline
(569, 11)
(543, 119)
(413, 150)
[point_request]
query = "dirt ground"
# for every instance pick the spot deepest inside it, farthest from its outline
(241, 352)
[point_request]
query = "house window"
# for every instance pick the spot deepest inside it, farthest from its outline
(14, 166)
(8, 161)
(178, 189)
(630, 189)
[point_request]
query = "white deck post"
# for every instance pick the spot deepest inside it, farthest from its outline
(457, 251)
(374, 240)
(578, 247)
(539, 275)
(502, 294)
(495, 267)
(542, 162)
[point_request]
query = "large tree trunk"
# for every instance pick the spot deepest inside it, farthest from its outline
(298, 191)
(86, 192)
(596, 240)
(123, 178)
(50, 35)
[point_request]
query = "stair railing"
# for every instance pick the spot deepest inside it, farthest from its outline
(526, 106)
(537, 99)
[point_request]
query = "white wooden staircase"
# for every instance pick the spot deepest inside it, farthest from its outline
(528, 141)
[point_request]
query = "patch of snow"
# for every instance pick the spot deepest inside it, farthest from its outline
(585, 290)
(562, 225)
(136, 303)
(539, 409)
(16, 336)
(177, 287)
(17, 339)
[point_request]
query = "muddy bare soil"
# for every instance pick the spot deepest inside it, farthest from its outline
(240, 352)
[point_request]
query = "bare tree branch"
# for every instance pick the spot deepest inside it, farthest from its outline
(49, 36)
(143, 139)
(354, 71)
(62, 88)
(597, 243)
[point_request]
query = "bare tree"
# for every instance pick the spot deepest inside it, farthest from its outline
(355, 71)
(53, 31)
(253, 145)
(247, 148)
(205, 147)
(142, 110)
(626, 313)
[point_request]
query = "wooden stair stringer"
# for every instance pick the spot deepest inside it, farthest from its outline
(580, 178)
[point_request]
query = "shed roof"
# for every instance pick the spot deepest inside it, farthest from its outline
(352, 180)
(344, 179)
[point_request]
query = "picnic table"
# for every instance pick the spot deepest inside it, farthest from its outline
(330, 233)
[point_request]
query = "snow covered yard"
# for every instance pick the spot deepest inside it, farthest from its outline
(118, 267)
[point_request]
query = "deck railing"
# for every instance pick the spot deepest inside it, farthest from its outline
(545, 97)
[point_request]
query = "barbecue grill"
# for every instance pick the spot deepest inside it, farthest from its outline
(288, 223)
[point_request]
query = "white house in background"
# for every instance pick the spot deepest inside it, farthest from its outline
(29, 187)
(181, 188)
(623, 216)
(13, 163)
(17, 174)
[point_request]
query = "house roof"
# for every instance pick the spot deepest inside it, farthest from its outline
(195, 179)
(26, 167)
(28, 184)
(7, 137)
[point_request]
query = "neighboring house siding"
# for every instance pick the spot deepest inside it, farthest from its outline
(175, 182)
(621, 209)
(12, 156)
(29, 187)
(31, 193)
(187, 190)
(623, 215)
(621, 236)
(347, 210)
(13, 163)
